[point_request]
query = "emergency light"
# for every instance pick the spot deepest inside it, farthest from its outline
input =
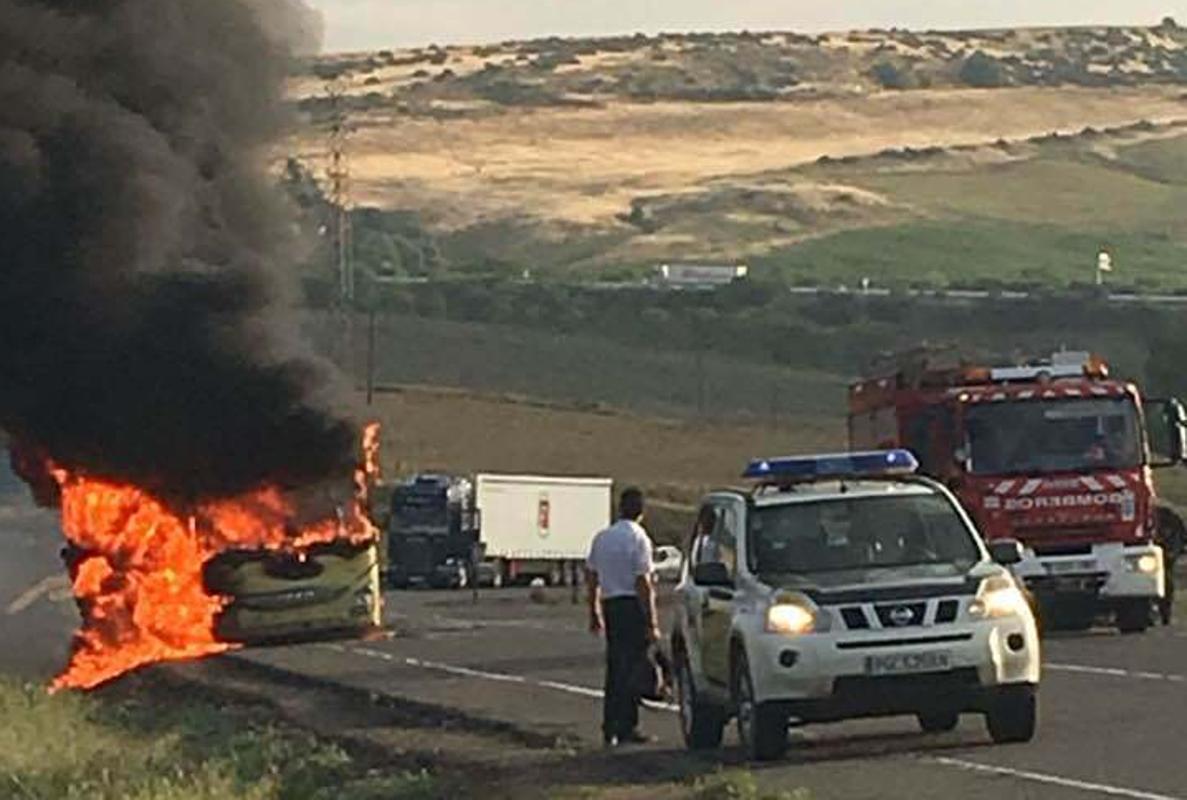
(841, 465)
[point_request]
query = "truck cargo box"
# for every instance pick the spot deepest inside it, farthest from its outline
(526, 517)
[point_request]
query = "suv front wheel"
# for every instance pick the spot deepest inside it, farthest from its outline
(762, 727)
(1013, 714)
(701, 725)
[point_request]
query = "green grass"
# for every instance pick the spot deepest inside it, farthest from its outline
(969, 251)
(1067, 191)
(168, 746)
(1163, 160)
(588, 370)
(1041, 220)
(740, 785)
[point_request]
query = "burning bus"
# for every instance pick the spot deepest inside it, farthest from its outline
(153, 583)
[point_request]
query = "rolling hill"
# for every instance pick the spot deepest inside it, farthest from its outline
(885, 154)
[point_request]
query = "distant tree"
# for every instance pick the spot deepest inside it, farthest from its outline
(891, 76)
(982, 71)
(1169, 24)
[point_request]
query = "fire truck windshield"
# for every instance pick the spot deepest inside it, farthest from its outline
(860, 534)
(1045, 436)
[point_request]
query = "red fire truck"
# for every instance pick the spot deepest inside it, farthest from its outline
(1052, 453)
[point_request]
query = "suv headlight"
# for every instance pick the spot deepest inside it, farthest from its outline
(1146, 563)
(790, 618)
(998, 597)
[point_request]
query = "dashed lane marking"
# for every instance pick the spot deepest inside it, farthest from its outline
(1051, 780)
(500, 677)
(957, 763)
(55, 588)
(1115, 672)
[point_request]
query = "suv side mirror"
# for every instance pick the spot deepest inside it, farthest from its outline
(1166, 426)
(1006, 552)
(712, 573)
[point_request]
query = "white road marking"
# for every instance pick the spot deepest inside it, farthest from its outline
(959, 763)
(500, 677)
(55, 588)
(1115, 672)
(1052, 780)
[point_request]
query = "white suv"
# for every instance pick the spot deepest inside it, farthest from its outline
(843, 587)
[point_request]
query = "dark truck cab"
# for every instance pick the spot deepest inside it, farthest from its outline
(432, 532)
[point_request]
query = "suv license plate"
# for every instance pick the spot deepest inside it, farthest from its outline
(901, 663)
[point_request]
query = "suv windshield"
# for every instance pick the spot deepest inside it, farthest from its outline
(1042, 436)
(858, 534)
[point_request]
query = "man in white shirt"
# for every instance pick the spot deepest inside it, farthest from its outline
(622, 604)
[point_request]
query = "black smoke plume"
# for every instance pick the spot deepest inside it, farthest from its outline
(140, 241)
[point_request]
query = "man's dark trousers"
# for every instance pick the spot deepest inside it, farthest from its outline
(626, 650)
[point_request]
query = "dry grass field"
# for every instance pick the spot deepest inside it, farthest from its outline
(585, 166)
(427, 429)
(582, 156)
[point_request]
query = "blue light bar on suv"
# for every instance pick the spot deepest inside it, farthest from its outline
(841, 465)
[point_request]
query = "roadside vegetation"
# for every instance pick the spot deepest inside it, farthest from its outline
(741, 785)
(749, 351)
(134, 744)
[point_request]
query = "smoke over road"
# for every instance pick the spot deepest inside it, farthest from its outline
(140, 244)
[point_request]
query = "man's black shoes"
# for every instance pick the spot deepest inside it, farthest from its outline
(636, 737)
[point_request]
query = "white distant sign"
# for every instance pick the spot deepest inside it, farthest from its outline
(701, 274)
(1104, 263)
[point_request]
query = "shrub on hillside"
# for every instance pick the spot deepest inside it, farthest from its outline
(892, 76)
(983, 71)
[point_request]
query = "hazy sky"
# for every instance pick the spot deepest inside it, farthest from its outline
(370, 24)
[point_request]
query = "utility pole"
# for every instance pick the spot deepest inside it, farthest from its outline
(338, 173)
(341, 238)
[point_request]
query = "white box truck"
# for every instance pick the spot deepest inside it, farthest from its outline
(538, 526)
(519, 526)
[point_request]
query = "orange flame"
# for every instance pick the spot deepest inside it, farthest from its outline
(139, 582)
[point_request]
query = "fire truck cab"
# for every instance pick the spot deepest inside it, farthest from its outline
(1054, 454)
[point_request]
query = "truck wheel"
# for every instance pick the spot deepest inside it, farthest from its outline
(1134, 616)
(1067, 615)
(762, 728)
(701, 725)
(938, 721)
(556, 575)
(1013, 715)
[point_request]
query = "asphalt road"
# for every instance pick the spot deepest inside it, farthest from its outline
(37, 614)
(1114, 709)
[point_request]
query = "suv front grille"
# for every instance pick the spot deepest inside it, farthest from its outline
(855, 618)
(901, 615)
(946, 611)
(898, 616)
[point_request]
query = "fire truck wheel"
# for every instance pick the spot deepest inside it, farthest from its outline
(1134, 616)
(1072, 616)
